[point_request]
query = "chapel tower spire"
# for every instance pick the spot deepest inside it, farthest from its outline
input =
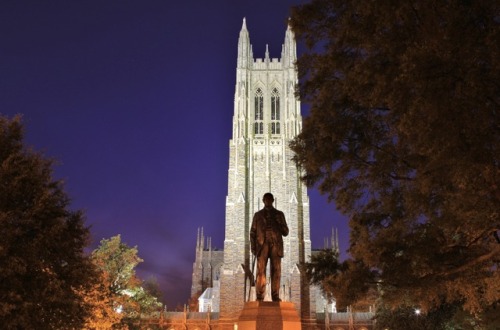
(266, 118)
(289, 49)
(244, 50)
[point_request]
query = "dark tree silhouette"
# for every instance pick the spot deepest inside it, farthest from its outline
(403, 135)
(42, 264)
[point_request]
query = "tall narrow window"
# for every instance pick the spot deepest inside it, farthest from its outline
(275, 112)
(259, 112)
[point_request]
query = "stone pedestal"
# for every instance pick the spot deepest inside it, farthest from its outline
(260, 315)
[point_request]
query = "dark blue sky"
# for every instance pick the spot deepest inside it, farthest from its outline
(135, 101)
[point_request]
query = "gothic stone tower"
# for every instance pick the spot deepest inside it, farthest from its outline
(266, 118)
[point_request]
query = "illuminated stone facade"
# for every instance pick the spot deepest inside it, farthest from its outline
(266, 118)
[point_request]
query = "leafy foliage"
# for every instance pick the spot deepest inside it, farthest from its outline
(126, 295)
(443, 317)
(117, 261)
(348, 282)
(411, 319)
(403, 134)
(42, 265)
(152, 287)
(103, 313)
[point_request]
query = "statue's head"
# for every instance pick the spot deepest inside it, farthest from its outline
(268, 199)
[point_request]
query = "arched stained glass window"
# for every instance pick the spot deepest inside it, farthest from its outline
(259, 128)
(275, 111)
(275, 105)
(259, 112)
(275, 128)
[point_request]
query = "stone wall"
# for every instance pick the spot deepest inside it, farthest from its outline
(261, 163)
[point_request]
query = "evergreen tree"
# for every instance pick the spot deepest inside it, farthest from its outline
(42, 264)
(403, 135)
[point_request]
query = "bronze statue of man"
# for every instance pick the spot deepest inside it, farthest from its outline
(266, 239)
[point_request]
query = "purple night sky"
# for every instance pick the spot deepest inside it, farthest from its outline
(135, 101)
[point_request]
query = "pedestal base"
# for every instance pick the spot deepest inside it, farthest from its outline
(269, 315)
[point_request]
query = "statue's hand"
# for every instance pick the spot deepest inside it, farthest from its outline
(283, 226)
